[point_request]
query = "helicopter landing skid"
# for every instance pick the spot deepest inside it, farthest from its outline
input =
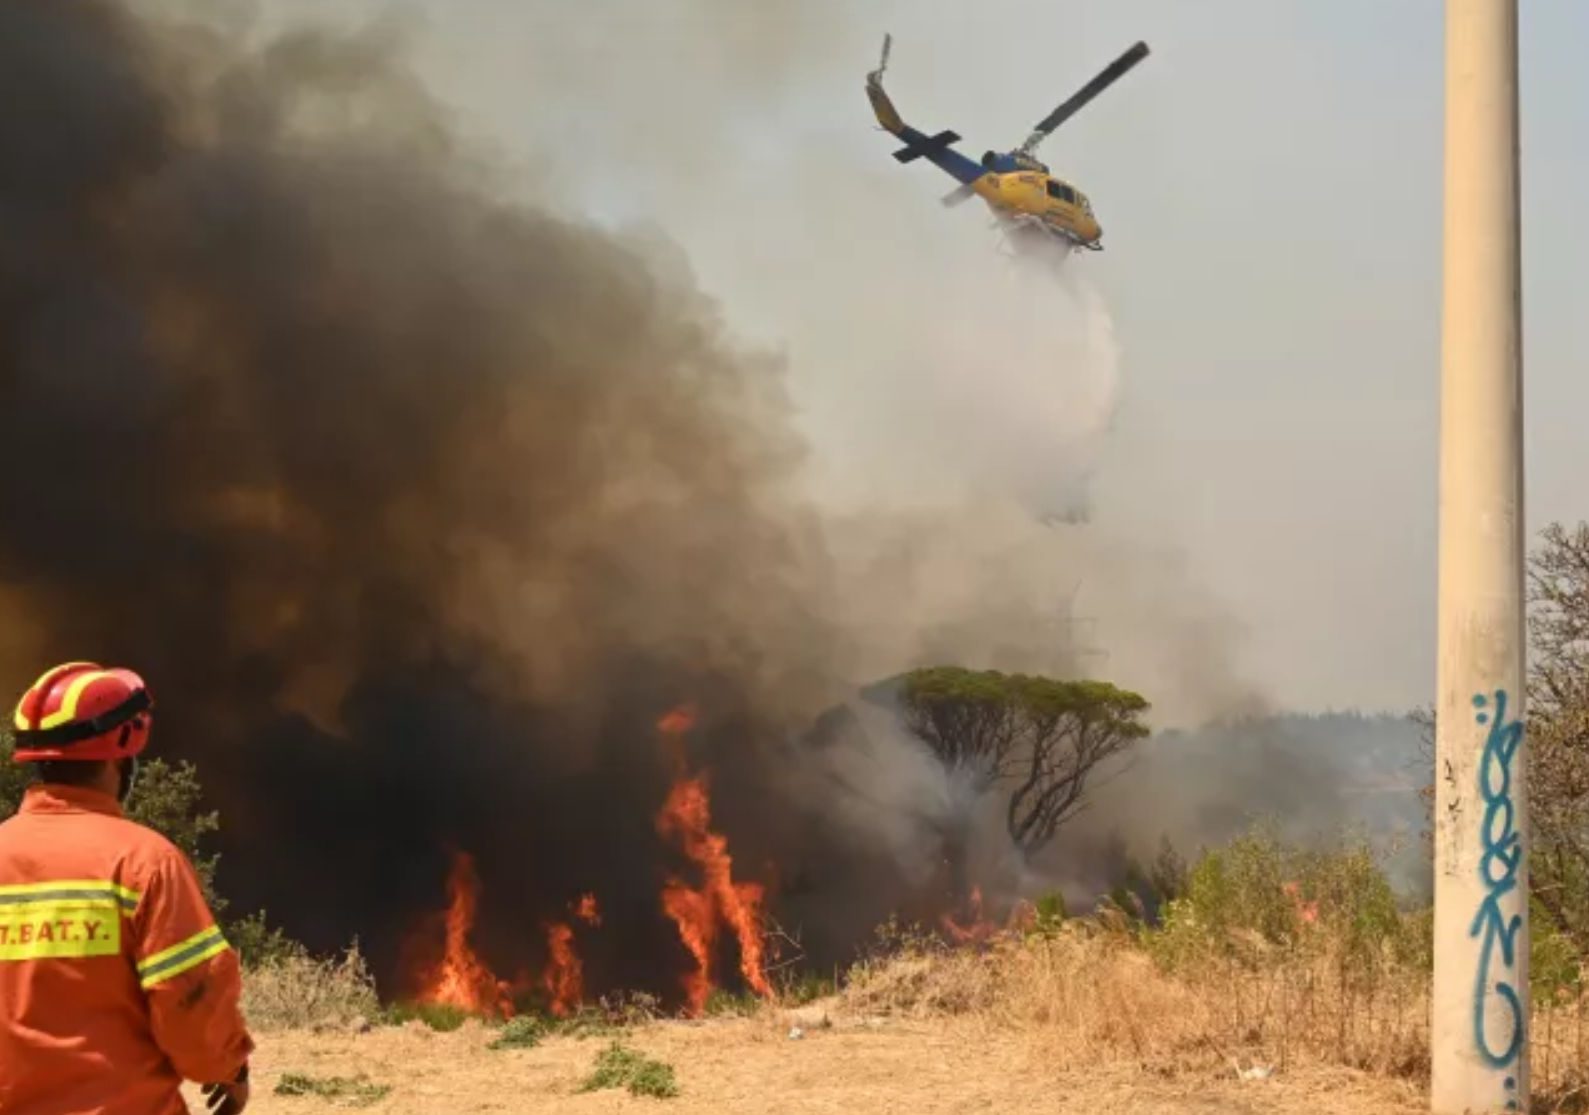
(1031, 229)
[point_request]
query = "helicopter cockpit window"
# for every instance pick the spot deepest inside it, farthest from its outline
(1061, 191)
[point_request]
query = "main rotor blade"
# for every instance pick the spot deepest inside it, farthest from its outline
(1110, 74)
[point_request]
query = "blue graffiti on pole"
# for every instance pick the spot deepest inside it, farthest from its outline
(1502, 855)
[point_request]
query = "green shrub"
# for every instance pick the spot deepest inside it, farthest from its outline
(1354, 902)
(1257, 893)
(617, 1067)
(258, 943)
(1555, 968)
(1418, 940)
(800, 988)
(524, 1031)
(355, 1091)
(441, 1017)
(1050, 909)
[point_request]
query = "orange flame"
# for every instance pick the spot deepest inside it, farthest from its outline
(1307, 912)
(974, 931)
(691, 910)
(460, 979)
(564, 977)
(699, 911)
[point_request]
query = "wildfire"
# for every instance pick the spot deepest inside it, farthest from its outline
(460, 979)
(1307, 912)
(973, 931)
(699, 912)
(564, 978)
(977, 927)
(702, 913)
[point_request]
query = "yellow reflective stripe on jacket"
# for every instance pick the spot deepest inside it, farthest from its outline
(70, 889)
(182, 956)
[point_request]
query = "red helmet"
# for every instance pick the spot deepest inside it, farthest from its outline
(82, 711)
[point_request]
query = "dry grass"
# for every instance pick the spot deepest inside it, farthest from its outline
(750, 1066)
(1087, 996)
(1080, 1016)
(296, 991)
(1099, 999)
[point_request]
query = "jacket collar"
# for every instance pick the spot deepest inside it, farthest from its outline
(52, 797)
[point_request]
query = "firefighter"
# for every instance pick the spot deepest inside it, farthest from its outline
(116, 984)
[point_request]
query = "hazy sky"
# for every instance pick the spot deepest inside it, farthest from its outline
(1269, 186)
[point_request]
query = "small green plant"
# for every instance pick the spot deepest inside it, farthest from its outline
(259, 943)
(1048, 916)
(353, 1091)
(1257, 897)
(617, 1067)
(526, 1031)
(441, 1017)
(1051, 908)
(806, 987)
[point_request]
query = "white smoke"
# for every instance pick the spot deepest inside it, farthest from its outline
(955, 399)
(992, 377)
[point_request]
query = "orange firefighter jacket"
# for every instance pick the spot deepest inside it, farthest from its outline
(115, 981)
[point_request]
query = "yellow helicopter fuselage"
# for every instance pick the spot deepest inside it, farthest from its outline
(1033, 195)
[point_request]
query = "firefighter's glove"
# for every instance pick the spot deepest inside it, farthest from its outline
(228, 1099)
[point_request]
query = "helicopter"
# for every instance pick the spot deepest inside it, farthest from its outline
(1024, 195)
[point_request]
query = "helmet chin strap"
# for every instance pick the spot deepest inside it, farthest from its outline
(129, 778)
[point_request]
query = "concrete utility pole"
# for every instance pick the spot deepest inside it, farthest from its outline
(1480, 1007)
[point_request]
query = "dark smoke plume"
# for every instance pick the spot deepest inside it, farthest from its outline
(416, 506)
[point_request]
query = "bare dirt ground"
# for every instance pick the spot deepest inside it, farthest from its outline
(754, 1066)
